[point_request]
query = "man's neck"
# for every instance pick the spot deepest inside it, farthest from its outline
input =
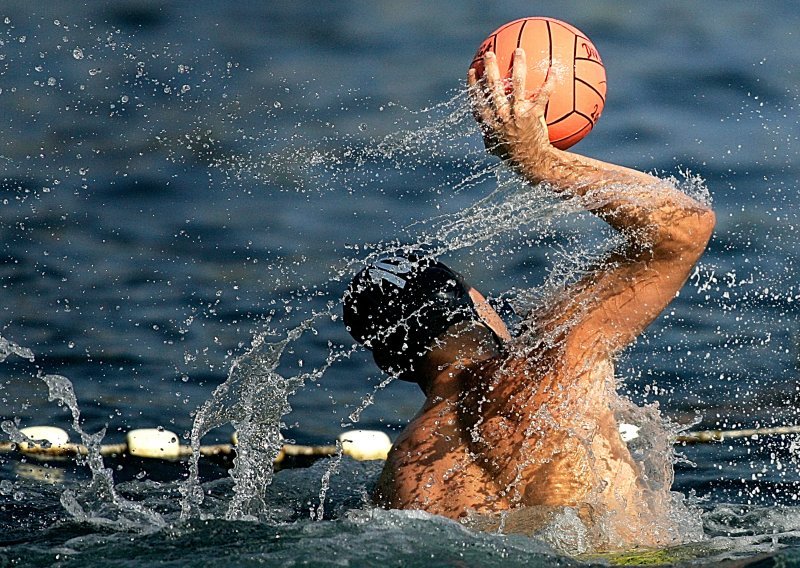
(447, 384)
(456, 351)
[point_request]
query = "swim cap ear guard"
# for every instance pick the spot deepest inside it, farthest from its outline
(399, 304)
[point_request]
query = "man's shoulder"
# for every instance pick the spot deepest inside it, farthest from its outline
(521, 382)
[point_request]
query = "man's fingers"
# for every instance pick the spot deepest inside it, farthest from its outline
(495, 87)
(472, 79)
(481, 109)
(474, 92)
(541, 98)
(519, 74)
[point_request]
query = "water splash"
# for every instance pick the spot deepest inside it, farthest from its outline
(253, 399)
(8, 348)
(319, 513)
(366, 402)
(99, 502)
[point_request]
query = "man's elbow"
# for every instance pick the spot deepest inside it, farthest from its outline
(689, 236)
(684, 235)
(699, 227)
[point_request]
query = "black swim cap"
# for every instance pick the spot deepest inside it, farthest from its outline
(399, 304)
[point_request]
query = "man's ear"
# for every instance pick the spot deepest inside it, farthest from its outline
(490, 317)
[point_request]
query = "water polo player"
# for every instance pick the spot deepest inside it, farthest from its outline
(529, 423)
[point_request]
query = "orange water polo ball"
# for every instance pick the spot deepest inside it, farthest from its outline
(553, 46)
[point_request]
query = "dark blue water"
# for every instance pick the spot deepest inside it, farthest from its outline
(180, 178)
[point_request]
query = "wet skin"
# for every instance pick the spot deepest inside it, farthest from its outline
(531, 423)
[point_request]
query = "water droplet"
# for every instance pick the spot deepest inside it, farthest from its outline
(185, 89)
(71, 345)
(51, 81)
(77, 53)
(277, 104)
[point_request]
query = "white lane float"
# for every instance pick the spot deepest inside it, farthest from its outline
(153, 443)
(42, 438)
(365, 445)
(52, 443)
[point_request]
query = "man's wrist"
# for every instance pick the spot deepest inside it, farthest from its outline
(536, 163)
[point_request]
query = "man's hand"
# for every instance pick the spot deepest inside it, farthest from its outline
(513, 125)
(515, 130)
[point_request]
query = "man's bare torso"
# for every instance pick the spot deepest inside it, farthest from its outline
(514, 437)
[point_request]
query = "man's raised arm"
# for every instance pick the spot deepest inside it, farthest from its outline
(667, 230)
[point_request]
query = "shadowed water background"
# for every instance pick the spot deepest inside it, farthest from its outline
(178, 179)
